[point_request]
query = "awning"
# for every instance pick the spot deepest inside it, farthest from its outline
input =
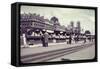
(50, 31)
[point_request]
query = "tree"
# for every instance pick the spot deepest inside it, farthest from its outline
(54, 19)
(87, 32)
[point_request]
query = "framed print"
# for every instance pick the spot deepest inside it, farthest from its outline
(43, 34)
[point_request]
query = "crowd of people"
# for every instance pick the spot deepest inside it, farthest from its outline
(70, 40)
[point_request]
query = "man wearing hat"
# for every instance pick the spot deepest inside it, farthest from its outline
(45, 38)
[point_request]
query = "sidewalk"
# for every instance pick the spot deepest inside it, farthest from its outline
(49, 44)
(51, 47)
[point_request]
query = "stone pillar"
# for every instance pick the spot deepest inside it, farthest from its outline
(24, 40)
(54, 40)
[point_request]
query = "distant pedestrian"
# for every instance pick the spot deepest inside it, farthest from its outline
(70, 39)
(76, 38)
(92, 39)
(84, 39)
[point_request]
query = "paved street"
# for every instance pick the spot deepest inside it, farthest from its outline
(87, 53)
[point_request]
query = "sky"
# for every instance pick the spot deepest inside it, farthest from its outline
(65, 15)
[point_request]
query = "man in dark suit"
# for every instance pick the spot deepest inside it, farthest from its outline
(45, 39)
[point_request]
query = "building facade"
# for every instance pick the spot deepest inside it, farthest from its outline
(33, 24)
